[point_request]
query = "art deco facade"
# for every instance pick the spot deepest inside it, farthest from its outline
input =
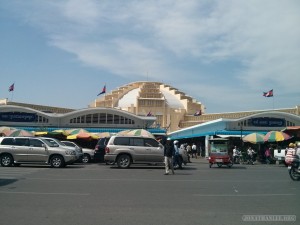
(166, 103)
(172, 108)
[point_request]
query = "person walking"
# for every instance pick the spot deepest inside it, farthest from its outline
(177, 161)
(194, 150)
(168, 154)
(268, 155)
(251, 155)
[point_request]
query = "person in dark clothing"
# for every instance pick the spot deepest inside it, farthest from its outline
(168, 154)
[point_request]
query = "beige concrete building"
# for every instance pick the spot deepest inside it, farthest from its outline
(172, 108)
(166, 103)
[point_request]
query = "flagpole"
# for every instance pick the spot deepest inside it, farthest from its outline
(273, 97)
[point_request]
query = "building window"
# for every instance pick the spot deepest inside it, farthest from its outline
(110, 118)
(102, 118)
(95, 118)
(116, 119)
(122, 120)
(82, 119)
(88, 118)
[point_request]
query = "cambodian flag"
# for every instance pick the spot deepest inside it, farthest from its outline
(11, 87)
(103, 91)
(268, 94)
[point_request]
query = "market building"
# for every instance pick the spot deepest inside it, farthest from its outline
(150, 105)
(91, 119)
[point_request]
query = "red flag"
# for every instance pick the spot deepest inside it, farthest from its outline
(11, 87)
(268, 94)
(103, 91)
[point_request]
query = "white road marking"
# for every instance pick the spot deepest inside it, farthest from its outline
(241, 195)
(43, 193)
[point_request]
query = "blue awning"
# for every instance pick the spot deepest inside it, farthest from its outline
(212, 133)
(156, 131)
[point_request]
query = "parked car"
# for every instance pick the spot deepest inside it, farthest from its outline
(57, 142)
(33, 150)
(279, 155)
(126, 150)
(99, 150)
(88, 154)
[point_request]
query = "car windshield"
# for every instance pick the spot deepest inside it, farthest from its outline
(68, 144)
(55, 143)
(50, 143)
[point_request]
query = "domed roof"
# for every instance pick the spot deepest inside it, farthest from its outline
(130, 99)
(155, 94)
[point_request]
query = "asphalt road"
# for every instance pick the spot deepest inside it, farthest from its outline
(98, 194)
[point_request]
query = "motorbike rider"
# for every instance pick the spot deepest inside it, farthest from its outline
(297, 152)
(289, 157)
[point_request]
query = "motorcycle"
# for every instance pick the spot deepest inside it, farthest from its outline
(294, 170)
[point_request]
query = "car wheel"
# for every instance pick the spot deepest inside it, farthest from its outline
(6, 160)
(86, 158)
(219, 164)
(57, 161)
(124, 161)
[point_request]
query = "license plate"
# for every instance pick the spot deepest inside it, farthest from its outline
(219, 160)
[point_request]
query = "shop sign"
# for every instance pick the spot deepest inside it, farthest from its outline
(18, 117)
(268, 122)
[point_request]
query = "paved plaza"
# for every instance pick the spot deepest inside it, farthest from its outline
(99, 194)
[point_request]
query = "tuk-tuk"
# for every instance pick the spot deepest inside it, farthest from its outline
(218, 152)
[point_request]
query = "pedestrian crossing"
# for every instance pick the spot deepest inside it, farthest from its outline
(17, 172)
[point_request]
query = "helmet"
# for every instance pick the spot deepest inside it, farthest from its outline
(176, 142)
(292, 145)
(298, 144)
(168, 139)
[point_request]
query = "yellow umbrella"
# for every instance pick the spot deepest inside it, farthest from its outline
(59, 132)
(81, 134)
(40, 133)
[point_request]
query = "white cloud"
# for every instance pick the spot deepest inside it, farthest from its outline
(140, 37)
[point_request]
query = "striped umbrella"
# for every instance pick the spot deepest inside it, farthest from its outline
(20, 133)
(254, 138)
(81, 134)
(136, 132)
(274, 136)
(6, 130)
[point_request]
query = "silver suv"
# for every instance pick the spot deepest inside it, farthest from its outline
(21, 150)
(125, 150)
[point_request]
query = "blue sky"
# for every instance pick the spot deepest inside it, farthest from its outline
(225, 53)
